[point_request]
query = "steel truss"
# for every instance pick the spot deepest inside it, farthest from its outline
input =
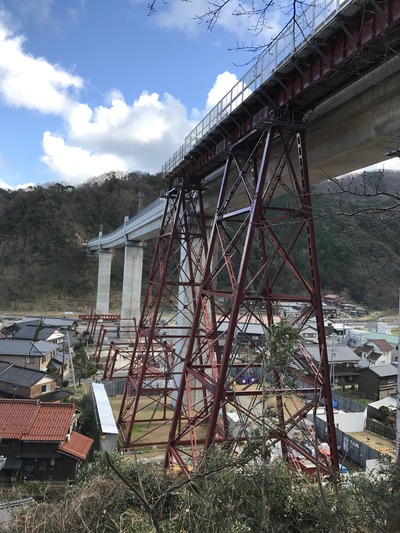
(195, 344)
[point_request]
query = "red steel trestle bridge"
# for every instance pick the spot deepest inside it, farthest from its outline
(205, 292)
(217, 273)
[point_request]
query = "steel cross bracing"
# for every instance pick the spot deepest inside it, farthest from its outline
(166, 322)
(194, 341)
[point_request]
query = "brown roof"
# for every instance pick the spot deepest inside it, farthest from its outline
(78, 445)
(31, 420)
(382, 344)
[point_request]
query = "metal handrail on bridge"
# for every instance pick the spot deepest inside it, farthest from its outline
(306, 25)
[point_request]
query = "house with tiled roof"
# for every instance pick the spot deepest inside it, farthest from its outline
(30, 354)
(40, 441)
(375, 352)
(60, 323)
(43, 333)
(378, 381)
(20, 382)
(58, 330)
(343, 363)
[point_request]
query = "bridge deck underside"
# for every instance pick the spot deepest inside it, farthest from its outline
(353, 44)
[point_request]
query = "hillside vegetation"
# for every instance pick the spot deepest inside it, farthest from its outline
(43, 259)
(223, 497)
(44, 265)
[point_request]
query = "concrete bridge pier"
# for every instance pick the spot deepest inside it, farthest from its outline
(132, 286)
(103, 282)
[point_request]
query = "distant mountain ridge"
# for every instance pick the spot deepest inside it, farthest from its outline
(44, 265)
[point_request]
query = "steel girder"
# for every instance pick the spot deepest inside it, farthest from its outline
(167, 319)
(260, 255)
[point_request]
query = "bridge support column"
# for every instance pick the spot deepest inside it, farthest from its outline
(103, 282)
(132, 284)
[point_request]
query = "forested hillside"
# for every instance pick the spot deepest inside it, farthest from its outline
(43, 260)
(44, 265)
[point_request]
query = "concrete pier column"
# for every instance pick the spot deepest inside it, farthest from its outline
(103, 282)
(132, 284)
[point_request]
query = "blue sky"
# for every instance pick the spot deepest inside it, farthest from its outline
(88, 86)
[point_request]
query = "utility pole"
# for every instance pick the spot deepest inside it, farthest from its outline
(398, 391)
(332, 361)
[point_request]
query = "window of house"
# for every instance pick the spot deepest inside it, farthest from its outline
(5, 443)
(29, 360)
(46, 388)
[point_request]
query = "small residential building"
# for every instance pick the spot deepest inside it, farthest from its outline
(309, 331)
(30, 354)
(357, 337)
(45, 333)
(291, 310)
(329, 310)
(331, 299)
(249, 334)
(343, 364)
(378, 381)
(375, 352)
(40, 441)
(20, 382)
(379, 327)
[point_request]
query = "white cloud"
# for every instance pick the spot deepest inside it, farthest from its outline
(235, 17)
(75, 164)
(223, 84)
(5, 186)
(32, 82)
(6, 175)
(140, 136)
(116, 135)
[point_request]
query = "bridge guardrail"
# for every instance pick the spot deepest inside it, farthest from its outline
(121, 233)
(308, 23)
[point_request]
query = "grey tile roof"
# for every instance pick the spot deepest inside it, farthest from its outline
(29, 332)
(46, 347)
(17, 375)
(23, 348)
(338, 353)
(3, 366)
(60, 357)
(47, 321)
(382, 371)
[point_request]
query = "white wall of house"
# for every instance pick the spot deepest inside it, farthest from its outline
(348, 422)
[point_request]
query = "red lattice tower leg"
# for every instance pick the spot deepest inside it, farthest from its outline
(264, 244)
(166, 323)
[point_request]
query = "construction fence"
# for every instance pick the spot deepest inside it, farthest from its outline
(115, 387)
(349, 447)
(347, 404)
